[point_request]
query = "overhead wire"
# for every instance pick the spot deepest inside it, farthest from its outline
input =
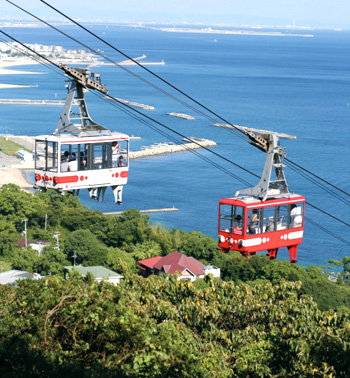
(233, 129)
(176, 88)
(318, 177)
(171, 95)
(140, 65)
(130, 111)
(48, 65)
(327, 231)
(123, 105)
(320, 185)
(236, 131)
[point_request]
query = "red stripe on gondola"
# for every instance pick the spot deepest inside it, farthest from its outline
(124, 174)
(67, 180)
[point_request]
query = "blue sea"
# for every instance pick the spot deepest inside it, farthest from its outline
(294, 85)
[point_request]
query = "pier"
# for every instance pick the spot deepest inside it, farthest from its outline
(136, 104)
(181, 115)
(15, 101)
(166, 148)
(165, 210)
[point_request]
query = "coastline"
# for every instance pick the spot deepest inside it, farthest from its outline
(233, 32)
(14, 176)
(5, 66)
(18, 62)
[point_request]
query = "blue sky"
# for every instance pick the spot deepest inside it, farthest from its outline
(325, 13)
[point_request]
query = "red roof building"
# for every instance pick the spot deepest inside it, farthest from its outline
(188, 267)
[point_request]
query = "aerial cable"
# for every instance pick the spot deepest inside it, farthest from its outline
(321, 186)
(130, 111)
(328, 231)
(165, 81)
(154, 86)
(34, 52)
(113, 100)
(123, 105)
(318, 177)
(198, 111)
(160, 78)
(49, 66)
(325, 212)
(134, 110)
(140, 65)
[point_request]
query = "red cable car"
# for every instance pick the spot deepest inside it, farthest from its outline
(266, 216)
(83, 154)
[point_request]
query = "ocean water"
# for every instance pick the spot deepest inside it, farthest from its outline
(294, 85)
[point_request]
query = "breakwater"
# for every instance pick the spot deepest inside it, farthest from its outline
(166, 148)
(165, 210)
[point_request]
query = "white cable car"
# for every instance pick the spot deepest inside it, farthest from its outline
(81, 154)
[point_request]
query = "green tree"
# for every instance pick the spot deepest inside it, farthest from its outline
(146, 250)
(199, 246)
(27, 260)
(8, 237)
(115, 255)
(53, 261)
(88, 249)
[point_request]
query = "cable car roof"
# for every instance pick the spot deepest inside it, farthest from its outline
(254, 202)
(88, 138)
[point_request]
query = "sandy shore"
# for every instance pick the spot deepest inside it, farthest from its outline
(4, 70)
(7, 86)
(13, 176)
(4, 64)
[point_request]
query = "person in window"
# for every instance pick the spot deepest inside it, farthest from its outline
(237, 230)
(64, 164)
(271, 224)
(120, 161)
(115, 153)
(254, 222)
(295, 215)
(73, 164)
(82, 161)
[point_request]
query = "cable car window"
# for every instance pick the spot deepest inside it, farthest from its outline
(269, 220)
(254, 224)
(275, 218)
(82, 156)
(119, 151)
(40, 154)
(51, 157)
(296, 215)
(231, 218)
(99, 155)
(282, 213)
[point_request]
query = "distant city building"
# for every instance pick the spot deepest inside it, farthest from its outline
(188, 267)
(14, 51)
(99, 272)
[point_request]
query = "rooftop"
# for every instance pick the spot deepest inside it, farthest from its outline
(97, 271)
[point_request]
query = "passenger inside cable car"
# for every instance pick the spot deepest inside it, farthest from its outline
(250, 227)
(261, 220)
(66, 163)
(92, 156)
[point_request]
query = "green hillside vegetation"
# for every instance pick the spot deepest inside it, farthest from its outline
(261, 319)
(10, 148)
(166, 328)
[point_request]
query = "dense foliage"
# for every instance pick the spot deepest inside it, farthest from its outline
(262, 319)
(156, 327)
